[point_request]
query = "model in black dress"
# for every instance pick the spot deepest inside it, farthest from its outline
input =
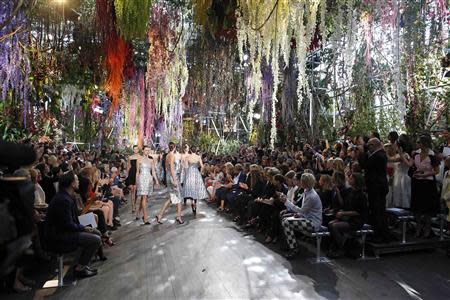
(131, 178)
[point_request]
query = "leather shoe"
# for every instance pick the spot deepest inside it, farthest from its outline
(85, 273)
(292, 254)
(92, 269)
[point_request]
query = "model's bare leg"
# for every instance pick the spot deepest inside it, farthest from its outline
(144, 208)
(163, 209)
(178, 219)
(133, 198)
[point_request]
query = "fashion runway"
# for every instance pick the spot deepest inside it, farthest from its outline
(209, 257)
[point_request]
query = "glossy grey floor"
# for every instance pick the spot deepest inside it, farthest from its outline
(209, 257)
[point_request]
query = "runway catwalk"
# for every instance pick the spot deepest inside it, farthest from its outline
(209, 257)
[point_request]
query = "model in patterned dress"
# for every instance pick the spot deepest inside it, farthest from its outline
(146, 173)
(193, 185)
(131, 176)
(173, 179)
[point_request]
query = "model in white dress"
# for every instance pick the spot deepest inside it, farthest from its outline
(173, 174)
(145, 177)
(193, 184)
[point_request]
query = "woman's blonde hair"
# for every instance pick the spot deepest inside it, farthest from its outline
(308, 181)
(339, 164)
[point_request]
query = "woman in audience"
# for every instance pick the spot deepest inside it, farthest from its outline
(340, 192)
(39, 195)
(223, 187)
(89, 197)
(292, 187)
(326, 191)
(424, 196)
(351, 217)
(254, 188)
(338, 165)
(308, 217)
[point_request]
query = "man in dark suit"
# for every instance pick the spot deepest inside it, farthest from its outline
(64, 233)
(374, 162)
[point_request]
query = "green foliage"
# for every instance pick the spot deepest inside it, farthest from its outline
(207, 142)
(363, 118)
(132, 18)
(10, 127)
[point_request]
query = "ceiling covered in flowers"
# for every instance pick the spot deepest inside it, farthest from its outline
(273, 71)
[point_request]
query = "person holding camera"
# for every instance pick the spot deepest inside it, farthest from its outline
(63, 230)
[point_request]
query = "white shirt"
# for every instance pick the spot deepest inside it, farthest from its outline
(291, 193)
(39, 195)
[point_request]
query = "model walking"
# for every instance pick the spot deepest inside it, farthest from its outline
(131, 176)
(173, 174)
(146, 173)
(194, 187)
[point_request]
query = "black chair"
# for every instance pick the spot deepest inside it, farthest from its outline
(402, 215)
(58, 252)
(318, 234)
(363, 232)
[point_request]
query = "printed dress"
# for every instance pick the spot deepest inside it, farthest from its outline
(145, 182)
(174, 191)
(194, 186)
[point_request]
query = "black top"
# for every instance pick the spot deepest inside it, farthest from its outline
(357, 201)
(326, 196)
(375, 170)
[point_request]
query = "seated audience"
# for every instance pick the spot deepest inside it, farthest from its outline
(351, 217)
(63, 230)
(308, 217)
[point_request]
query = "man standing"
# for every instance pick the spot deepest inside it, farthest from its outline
(374, 162)
(63, 230)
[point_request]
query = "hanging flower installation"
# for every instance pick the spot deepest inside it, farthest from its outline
(14, 60)
(167, 72)
(265, 32)
(117, 51)
(132, 18)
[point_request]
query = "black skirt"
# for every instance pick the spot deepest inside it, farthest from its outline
(424, 197)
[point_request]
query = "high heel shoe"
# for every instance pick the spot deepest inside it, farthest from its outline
(179, 221)
(158, 220)
(194, 209)
(108, 241)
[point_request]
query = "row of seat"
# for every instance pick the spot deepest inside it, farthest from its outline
(323, 231)
(400, 214)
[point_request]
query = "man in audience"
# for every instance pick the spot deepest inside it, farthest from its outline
(373, 161)
(63, 230)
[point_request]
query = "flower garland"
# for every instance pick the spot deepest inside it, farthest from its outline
(264, 32)
(167, 72)
(118, 55)
(71, 96)
(132, 18)
(14, 61)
